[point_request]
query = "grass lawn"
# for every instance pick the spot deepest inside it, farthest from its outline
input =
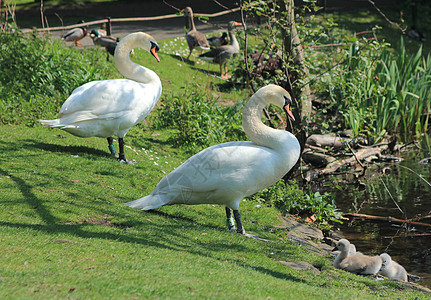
(65, 232)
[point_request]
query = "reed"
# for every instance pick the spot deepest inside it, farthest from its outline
(384, 91)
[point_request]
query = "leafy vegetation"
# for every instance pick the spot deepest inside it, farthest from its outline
(289, 198)
(199, 121)
(372, 89)
(38, 74)
(379, 92)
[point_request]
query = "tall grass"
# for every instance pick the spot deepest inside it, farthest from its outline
(379, 91)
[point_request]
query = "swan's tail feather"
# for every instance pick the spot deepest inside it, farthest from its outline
(51, 123)
(56, 124)
(148, 202)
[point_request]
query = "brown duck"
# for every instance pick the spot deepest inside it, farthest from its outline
(74, 35)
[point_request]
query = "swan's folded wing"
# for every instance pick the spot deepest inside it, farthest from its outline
(106, 97)
(234, 165)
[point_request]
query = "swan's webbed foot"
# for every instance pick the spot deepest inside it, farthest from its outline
(126, 161)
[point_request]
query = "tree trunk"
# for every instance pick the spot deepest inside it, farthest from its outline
(294, 50)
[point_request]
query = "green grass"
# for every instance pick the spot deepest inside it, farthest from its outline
(65, 231)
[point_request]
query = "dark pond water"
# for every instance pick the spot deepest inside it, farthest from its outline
(412, 249)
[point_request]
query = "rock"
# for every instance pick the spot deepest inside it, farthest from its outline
(305, 235)
(300, 265)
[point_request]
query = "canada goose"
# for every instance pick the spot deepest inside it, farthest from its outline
(110, 107)
(225, 173)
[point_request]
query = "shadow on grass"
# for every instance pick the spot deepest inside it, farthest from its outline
(182, 59)
(72, 150)
(163, 236)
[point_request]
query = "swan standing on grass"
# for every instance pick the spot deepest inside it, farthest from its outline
(392, 269)
(110, 107)
(357, 263)
(225, 173)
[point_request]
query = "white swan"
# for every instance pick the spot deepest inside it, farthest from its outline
(357, 263)
(110, 107)
(225, 173)
(392, 269)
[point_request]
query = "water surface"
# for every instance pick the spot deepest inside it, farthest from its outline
(398, 193)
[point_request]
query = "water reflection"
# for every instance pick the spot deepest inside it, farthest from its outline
(399, 194)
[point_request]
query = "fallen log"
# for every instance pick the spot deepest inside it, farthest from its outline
(327, 140)
(335, 165)
(317, 159)
(387, 219)
(408, 235)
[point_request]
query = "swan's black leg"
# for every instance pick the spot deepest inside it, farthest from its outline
(111, 146)
(230, 220)
(122, 156)
(237, 216)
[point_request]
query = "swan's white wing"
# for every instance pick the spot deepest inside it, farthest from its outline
(221, 174)
(109, 99)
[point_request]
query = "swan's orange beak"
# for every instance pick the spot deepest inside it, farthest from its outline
(238, 24)
(154, 53)
(288, 111)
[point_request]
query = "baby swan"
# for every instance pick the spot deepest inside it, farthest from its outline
(392, 269)
(357, 263)
(226, 173)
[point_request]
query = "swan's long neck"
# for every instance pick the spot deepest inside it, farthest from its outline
(127, 67)
(233, 41)
(259, 133)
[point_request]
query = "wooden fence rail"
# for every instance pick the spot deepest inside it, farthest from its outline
(137, 19)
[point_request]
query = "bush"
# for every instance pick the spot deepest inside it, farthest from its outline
(291, 199)
(199, 122)
(37, 75)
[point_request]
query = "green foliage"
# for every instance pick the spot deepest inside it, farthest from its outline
(198, 120)
(378, 91)
(289, 198)
(37, 75)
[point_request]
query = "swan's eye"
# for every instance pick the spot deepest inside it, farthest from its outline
(287, 100)
(154, 46)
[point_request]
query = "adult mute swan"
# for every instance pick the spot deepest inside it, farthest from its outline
(392, 269)
(225, 173)
(357, 263)
(110, 107)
